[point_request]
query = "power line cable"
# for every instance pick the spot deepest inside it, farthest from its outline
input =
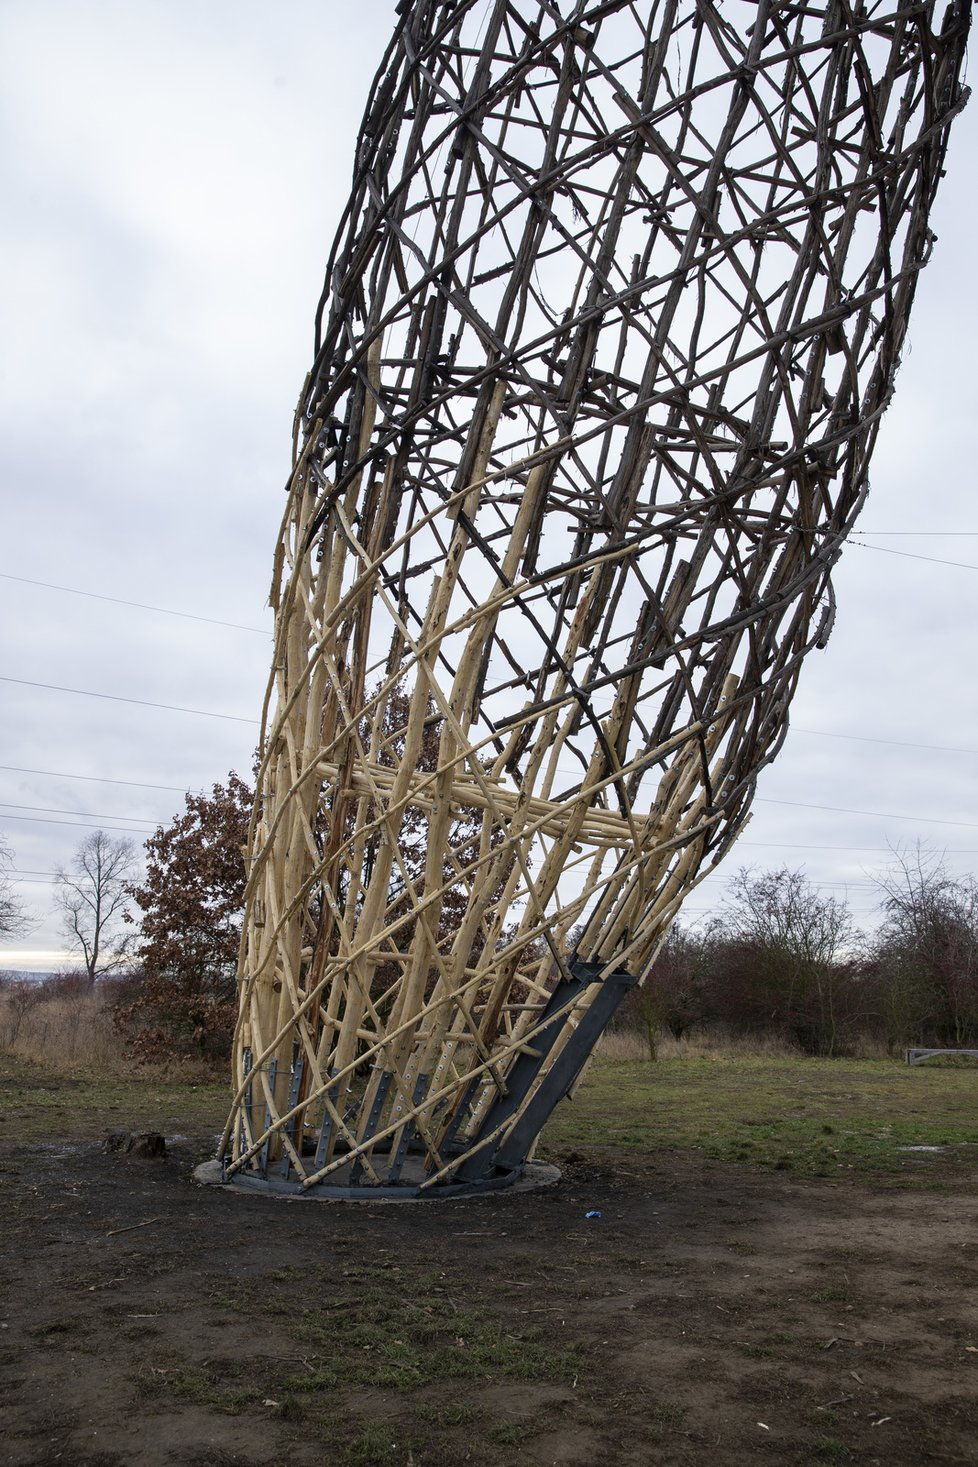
(911, 555)
(117, 698)
(914, 534)
(141, 605)
(877, 814)
(858, 537)
(237, 718)
(761, 799)
(78, 824)
(823, 733)
(96, 779)
(90, 814)
(785, 845)
(709, 911)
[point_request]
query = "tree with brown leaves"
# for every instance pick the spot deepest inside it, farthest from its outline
(191, 902)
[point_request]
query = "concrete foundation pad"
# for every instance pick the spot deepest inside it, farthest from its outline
(527, 1178)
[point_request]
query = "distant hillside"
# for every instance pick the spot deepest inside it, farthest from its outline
(20, 975)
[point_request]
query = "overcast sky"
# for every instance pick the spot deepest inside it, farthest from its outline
(172, 173)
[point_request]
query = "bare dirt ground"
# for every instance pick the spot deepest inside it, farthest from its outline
(713, 1314)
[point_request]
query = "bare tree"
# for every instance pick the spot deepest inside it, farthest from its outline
(13, 917)
(927, 950)
(784, 949)
(92, 894)
(671, 997)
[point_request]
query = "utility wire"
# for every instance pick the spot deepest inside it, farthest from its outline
(236, 718)
(77, 824)
(264, 631)
(139, 702)
(910, 555)
(96, 779)
(877, 814)
(761, 799)
(141, 605)
(823, 733)
(765, 845)
(785, 845)
(915, 534)
(90, 814)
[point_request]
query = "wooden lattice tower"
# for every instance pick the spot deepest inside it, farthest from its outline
(609, 325)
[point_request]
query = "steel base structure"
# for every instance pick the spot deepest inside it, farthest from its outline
(493, 1160)
(529, 1177)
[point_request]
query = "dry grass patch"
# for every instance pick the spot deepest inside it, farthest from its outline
(65, 1027)
(59, 1027)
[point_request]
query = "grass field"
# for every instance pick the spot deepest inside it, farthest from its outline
(804, 1116)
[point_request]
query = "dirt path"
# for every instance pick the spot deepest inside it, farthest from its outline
(712, 1314)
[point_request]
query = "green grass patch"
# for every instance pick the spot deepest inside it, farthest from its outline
(446, 1415)
(829, 1450)
(374, 1443)
(406, 1340)
(806, 1116)
(811, 1117)
(515, 1433)
(304, 1382)
(35, 1106)
(414, 1334)
(201, 1387)
(56, 1327)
